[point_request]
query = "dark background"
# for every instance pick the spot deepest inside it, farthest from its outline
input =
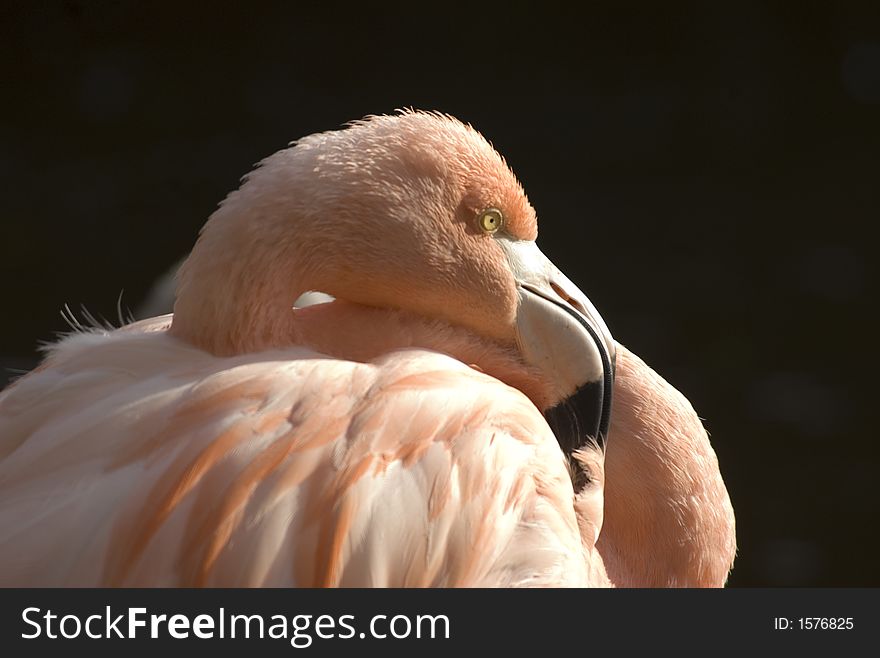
(707, 174)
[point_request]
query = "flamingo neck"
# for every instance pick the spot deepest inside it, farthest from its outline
(236, 289)
(351, 331)
(668, 518)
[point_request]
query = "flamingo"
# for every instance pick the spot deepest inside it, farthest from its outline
(446, 420)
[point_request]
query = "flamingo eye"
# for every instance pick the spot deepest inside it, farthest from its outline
(491, 220)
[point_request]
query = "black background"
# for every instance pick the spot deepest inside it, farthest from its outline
(707, 173)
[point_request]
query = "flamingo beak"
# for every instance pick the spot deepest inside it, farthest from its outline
(561, 332)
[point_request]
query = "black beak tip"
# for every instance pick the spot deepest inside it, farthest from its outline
(582, 417)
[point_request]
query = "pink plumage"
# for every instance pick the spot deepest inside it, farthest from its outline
(392, 437)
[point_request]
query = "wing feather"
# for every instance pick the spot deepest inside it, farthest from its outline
(133, 459)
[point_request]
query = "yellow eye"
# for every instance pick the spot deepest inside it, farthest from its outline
(491, 220)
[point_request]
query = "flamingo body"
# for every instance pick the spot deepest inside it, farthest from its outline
(292, 468)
